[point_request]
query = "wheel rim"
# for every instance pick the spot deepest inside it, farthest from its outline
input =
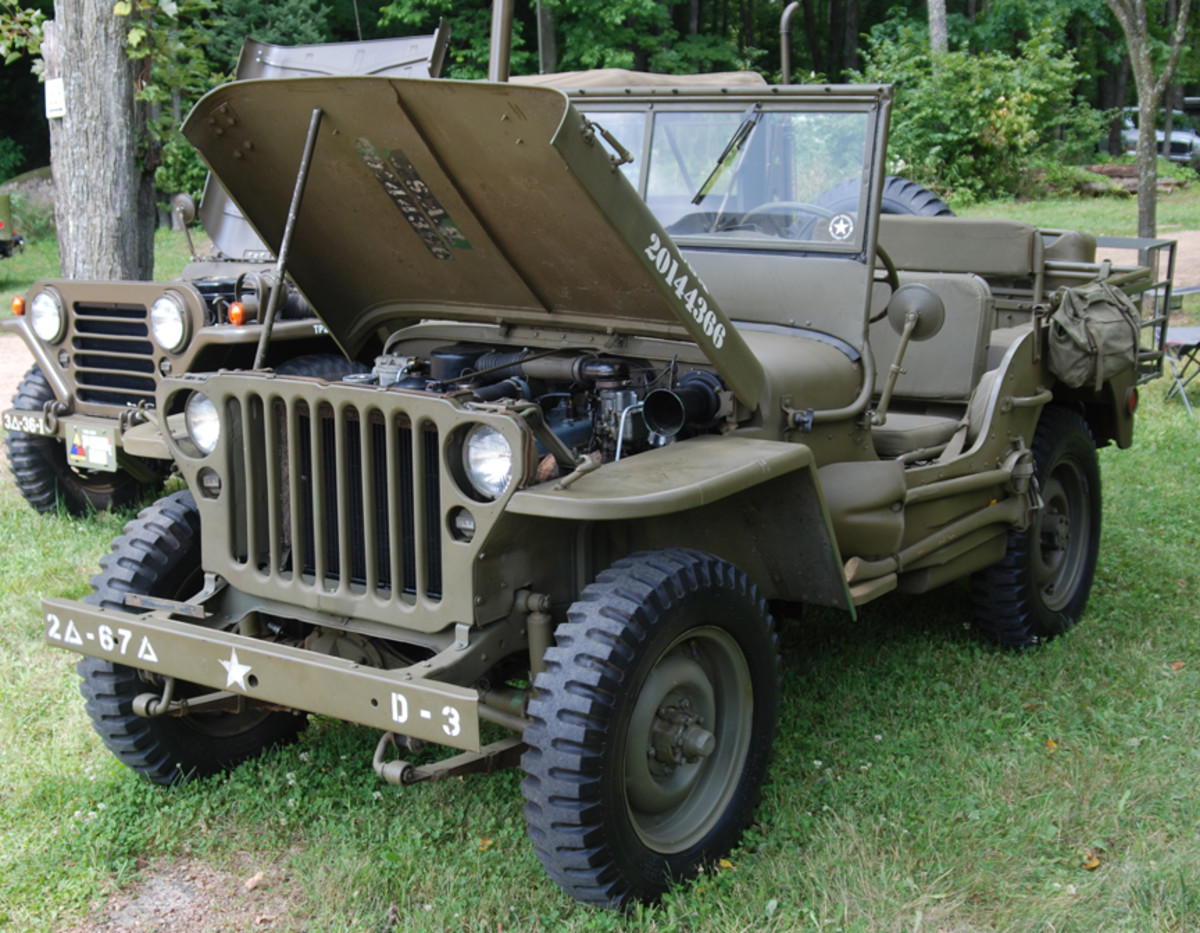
(687, 739)
(1064, 531)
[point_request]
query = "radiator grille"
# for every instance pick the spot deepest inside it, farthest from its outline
(114, 358)
(346, 499)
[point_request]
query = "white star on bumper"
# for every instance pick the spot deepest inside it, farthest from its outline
(236, 670)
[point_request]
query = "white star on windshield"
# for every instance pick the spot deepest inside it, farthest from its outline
(841, 227)
(236, 670)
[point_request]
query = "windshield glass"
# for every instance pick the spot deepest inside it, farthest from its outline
(751, 177)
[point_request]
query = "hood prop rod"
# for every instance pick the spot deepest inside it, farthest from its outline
(260, 355)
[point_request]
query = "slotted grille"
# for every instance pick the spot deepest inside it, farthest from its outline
(343, 498)
(114, 358)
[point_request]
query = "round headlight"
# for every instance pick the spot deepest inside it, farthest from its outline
(168, 323)
(488, 460)
(203, 422)
(46, 316)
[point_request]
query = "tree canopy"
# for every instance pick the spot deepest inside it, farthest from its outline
(1029, 82)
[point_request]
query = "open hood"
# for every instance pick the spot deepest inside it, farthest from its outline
(410, 57)
(456, 200)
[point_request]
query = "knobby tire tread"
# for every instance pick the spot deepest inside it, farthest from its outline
(157, 547)
(1003, 596)
(39, 464)
(613, 619)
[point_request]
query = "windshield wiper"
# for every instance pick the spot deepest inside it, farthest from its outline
(729, 154)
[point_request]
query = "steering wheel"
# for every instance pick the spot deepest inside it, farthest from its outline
(891, 278)
(784, 208)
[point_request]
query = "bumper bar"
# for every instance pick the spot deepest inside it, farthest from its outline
(272, 674)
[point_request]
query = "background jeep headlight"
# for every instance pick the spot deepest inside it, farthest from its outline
(203, 422)
(168, 323)
(46, 316)
(488, 460)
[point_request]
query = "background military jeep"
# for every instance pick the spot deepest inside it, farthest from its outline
(101, 348)
(643, 378)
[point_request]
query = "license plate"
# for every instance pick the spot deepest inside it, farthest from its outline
(90, 447)
(27, 422)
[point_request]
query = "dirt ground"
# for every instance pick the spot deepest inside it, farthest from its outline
(186, 896)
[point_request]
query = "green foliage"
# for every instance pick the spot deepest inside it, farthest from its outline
(598, 34)
(470, 33)
(1049, 177)
(11, 156)
(33, 221)
(284, 22)
(180, 169)
(637, 34)
(1004, 112)
(20, 30)
(1175, 170)
(169, 37)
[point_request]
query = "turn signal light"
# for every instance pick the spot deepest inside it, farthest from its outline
(237, 313)
(18, 305)
(1131, 400)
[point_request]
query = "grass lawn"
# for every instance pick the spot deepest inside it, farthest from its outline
(923, 780)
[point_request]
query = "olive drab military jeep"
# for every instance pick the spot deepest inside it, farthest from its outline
(647, 368)
(77, 432)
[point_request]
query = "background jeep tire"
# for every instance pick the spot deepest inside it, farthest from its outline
(900, 196)
(39, 465)
(1041, 587)
(651, 727)
(159, 555)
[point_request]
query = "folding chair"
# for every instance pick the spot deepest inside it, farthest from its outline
(1183, 354)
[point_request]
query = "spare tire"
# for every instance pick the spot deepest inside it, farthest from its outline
(900, 196)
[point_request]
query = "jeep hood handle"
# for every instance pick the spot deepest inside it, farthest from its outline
(461, 201)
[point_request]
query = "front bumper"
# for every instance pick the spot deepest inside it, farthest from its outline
(267, 673)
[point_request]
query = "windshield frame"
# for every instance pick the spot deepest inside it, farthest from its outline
(873, 101)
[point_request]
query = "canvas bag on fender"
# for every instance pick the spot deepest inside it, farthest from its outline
(1093, 334)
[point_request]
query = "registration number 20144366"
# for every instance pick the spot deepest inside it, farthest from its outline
(683, 281)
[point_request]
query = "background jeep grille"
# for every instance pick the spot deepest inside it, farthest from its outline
(350, 497)
(114, 357)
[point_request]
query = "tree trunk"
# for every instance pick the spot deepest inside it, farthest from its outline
(938, 38)
(836, 44)
(1131, 14)
(547, 41)
(814, 40)
(850, 44)
(1112, 97)
(104, 200)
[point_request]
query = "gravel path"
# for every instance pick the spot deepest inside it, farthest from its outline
(15, 361)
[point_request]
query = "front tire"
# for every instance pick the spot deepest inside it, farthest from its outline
(159, 555)
(651, 726)
(1041, 587)
(45, 478)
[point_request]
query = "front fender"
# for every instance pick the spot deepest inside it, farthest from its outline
(758, 503)
(41, 356)
(671, 479)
